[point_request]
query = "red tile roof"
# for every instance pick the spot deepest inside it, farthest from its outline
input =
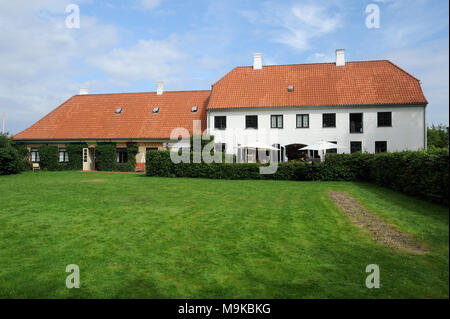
(320, 84)
(93, 116)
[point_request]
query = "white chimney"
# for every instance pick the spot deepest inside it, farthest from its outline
(340, 57)
(160, 89)
(83, 91)
(257, 61)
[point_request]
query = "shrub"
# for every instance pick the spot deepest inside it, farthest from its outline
(9, 161)
(12, 156)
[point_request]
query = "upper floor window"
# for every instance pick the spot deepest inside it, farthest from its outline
(355, 147)
(34, 153)
(329, 120)
(302, 120)
(251, 121)
(276, 121)
(384, 119)
(356, 122)
(121, 155)
(63, 155)
(380, 146)
(220, 122)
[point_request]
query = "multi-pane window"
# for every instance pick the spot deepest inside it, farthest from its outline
(220, 122)
(220, 147)
(34, 153)
(302, 120)
(355, 147)
(251, 121)
(276, 121)
(380, 147)
(356, 122)
(329, 120)
(63, 155)
(384, 119)
(121, 155)
(332, 150)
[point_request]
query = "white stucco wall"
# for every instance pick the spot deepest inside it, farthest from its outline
(407, 131)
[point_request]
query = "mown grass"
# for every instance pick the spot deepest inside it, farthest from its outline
(142, 237)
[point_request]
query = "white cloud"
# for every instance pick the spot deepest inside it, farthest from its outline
(296, 24)
(41, 57)
(148, 4)
(429, 63)
(147, 60)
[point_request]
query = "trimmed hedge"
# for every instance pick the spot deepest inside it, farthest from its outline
(159, 163)
(422, 174)
(105, 157)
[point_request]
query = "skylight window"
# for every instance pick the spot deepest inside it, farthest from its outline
(156, 109)
(194, 109)
(290, 88)
(118, 110)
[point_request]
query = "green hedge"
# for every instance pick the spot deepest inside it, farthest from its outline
(13, 156)
(49, 157)
(423, 174)
(105, 158)
(159, 163)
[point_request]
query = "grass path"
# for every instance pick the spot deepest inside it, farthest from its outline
(141, 237)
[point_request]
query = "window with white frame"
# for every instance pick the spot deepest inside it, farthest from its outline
(63, 155)
(121, 155)
(34, 154)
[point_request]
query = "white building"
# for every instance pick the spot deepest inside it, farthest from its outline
(369, 106)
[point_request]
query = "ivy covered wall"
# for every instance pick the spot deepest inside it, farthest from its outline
(49, 157)
(106, 160)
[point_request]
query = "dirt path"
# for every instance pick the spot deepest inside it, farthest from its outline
(378, 229)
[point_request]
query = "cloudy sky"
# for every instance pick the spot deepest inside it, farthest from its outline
(126, 46)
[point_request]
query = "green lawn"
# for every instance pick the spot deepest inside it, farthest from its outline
(142, 237)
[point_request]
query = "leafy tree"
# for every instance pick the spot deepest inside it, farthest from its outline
(438, 136)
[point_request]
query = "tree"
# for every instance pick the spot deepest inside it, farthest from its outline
(438, 136)
(12, 156)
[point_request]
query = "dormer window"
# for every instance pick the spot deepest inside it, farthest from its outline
(290, 88)
(194, 109)
(156, 109)
(118, 110)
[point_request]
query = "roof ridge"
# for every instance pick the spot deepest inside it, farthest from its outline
(117, 93)
(395, 65)
(314, 63)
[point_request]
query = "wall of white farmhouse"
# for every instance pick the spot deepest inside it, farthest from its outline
(407, 131)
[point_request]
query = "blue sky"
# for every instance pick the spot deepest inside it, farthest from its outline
(126, 46)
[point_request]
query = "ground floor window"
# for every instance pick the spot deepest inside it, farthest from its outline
(380, 147)
(355, 147)
(332, 150)
(63, 155)
(122, 155)
(220, 147)
(34, 154)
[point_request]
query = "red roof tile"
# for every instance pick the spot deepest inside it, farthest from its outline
(93, 116)
(356, 83)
